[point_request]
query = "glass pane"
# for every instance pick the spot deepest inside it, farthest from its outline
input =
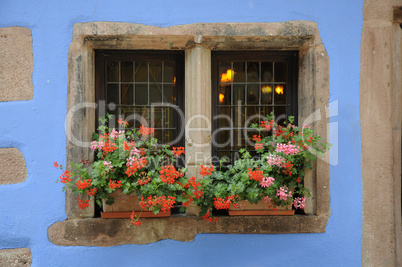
(225, 117)
(280, 71)
(155, 93)
(141, 95)
(169, 94)
(158, 135)
(169, 137)
(155, 71)
(238, 91)
(112, 71)
(127, 94)
(155, 117)
(170, 118)
(141, 71)
(225, 72)
(112, 94)
(239, 69)
(141, 117)
(253, 95)
(280, 115)
(252, 72)
(266, 72)
(223, 139)
(224, 95)
(253, 115)
(266, 94)
(127, 71)
(280, 94)
(238, 116)
(238, 139)
(169, 72)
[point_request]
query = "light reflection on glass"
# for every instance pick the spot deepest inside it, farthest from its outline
(279, 89)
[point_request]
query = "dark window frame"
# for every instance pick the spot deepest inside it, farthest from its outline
(103, 55)
(291, 57)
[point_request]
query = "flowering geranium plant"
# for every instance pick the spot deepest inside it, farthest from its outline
(132, 161)
(275, 175)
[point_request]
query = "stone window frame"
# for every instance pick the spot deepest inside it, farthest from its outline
(197, 40)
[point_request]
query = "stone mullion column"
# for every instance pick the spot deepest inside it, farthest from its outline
(198, 108)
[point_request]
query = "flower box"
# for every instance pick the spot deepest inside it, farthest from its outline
(124, 205)
(245, 208)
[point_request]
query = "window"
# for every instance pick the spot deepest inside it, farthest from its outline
(144, 88)
(247, 86)
(197, 41)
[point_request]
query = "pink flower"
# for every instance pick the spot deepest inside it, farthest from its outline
(283, 193)
(115, 134)
(267, 182)
(299, 202)
(275, 160)
(288, 149)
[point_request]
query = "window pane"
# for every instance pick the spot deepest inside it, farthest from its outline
(169, 73)
(155, 93)
(239, 69)
(253, 94)
(224, 95)
(225, 72)
(253, 72)
(155, 117)
(266, 72)
(141, 95)
(170, 118)
(127, 94)
(224, 117)
(127, 71)
(169, 94)
(280, 71)
(141, 71)
(239, 92)
(223, 139)
(280, 94)
(266, 94)
(252, 115)
(112, 94)
(112, 71)
(264, 112)
(238, 116)
(238, 141)
(155, 71)
(141, 117)
(169, 136)
(280, 115)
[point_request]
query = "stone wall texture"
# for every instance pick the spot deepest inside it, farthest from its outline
(16, 64)
(15, 257)
(12, 166)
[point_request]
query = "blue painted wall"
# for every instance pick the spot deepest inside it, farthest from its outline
(36, 127)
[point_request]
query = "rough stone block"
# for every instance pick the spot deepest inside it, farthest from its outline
(16, 64)
(12, 166)
(15, 257)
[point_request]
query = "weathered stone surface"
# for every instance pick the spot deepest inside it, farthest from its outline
(16, 64)
(12, 166)
(380, 114)
(113, 232)
(16, 257)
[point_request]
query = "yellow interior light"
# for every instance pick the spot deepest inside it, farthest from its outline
(227, 77)
(221, 98)
(266, 89)
(279, 89)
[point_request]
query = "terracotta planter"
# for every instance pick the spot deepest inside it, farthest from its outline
(124, 205)
(261, 208)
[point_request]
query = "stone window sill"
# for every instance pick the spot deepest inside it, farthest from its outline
(113, 232)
